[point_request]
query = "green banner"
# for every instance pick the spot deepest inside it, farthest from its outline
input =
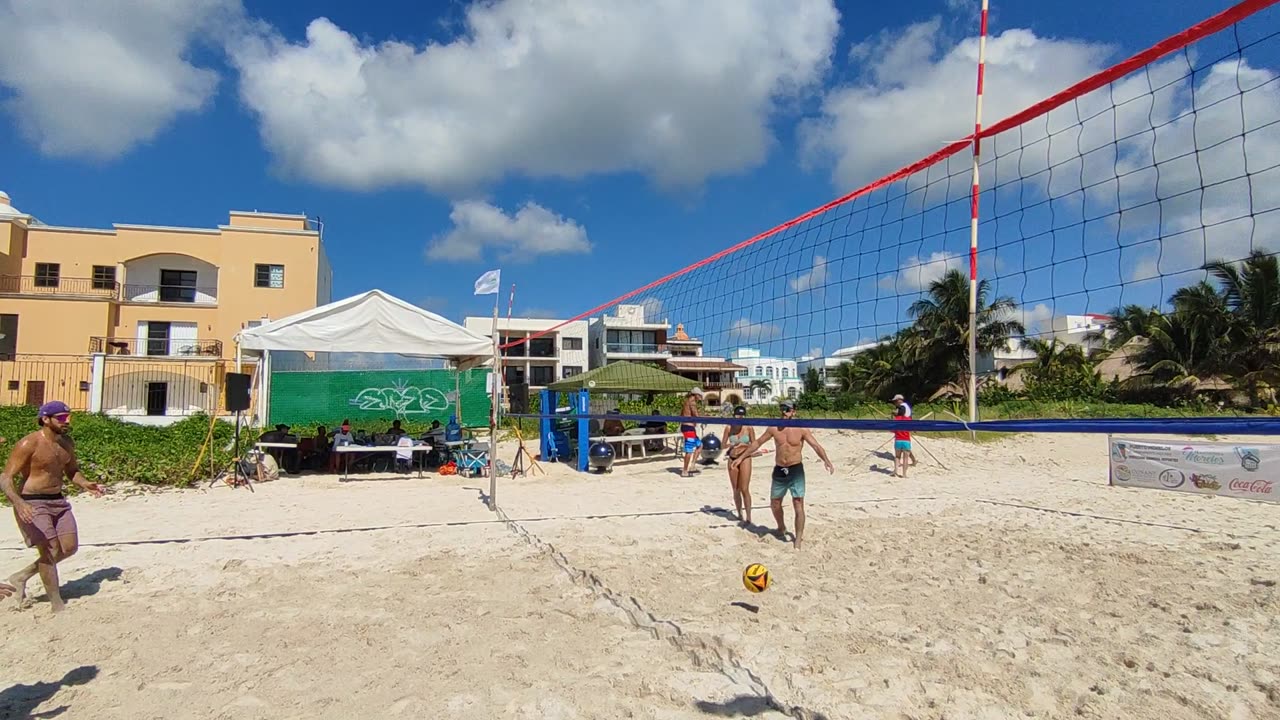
(377, 397)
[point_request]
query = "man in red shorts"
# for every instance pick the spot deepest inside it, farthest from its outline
(43, 459)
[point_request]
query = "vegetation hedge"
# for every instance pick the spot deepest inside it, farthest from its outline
(112, 450)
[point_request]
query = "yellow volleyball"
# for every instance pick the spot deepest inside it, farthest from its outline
(756, 578)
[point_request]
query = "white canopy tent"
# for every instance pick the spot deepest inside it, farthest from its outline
(372, 322)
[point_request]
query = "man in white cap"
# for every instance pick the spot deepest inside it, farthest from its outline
(692, 443)
(904, 409)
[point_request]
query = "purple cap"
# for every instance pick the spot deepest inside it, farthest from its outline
(53, 407)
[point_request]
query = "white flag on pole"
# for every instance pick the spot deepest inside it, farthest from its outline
(487, 284)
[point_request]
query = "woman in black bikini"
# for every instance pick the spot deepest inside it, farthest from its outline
(735, 439)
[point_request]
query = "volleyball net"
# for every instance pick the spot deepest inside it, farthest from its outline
(1127, 232)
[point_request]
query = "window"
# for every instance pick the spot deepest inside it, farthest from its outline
(571, 370)
(157, 338)
(35, 393)
(157, 398)
(268, 276)
(541, 375)
(513, 375)
(759, 371)
(791, 393)
(514, 350)
(632, 341)
(8, 336)
(571, 343)
(178, 286)
(104, 277)
(542, 348)
(47, 274)
(768, 371)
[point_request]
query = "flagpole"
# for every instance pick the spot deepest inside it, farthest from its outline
(493, 411)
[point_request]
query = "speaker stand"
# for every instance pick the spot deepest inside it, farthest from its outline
(237, 473)
(522, 452)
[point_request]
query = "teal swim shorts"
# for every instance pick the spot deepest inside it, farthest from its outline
(788, 479)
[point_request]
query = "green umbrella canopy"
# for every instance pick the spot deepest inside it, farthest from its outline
(625, 377)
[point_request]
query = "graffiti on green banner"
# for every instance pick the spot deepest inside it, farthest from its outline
(408, 395)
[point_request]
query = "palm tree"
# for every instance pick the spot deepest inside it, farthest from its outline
(764, 387)
(1126, 323)
(1250, 293)
(875, 371)
(1053, 353)
(1178, 356)
(940, 335)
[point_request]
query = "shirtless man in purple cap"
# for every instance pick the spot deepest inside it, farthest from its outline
(43, 459)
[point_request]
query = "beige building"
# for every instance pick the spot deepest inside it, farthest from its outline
(139, 320)
(552, 356)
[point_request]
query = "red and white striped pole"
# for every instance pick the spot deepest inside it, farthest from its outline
(973, 224)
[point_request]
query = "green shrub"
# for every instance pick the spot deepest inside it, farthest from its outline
(1061, 381)
(112, 450)
(813, 401)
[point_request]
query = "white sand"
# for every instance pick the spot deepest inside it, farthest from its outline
(613, 596)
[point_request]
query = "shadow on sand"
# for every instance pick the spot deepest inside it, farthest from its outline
(20, 701)
(757, 530)
(90, 584)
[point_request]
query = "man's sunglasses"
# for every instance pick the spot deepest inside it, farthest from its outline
(61, 417)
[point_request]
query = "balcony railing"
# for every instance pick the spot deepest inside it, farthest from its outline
(158, 347)
(635, 348)
(176, 294)
(58, 287)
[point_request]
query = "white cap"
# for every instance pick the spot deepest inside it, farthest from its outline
(898, 397)
(696, 391)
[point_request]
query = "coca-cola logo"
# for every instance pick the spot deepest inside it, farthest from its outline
(1253, 487)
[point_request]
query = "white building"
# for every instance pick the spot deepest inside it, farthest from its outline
(629, 335)
(543, 360)
(1082, 329)
(826, 368)
(1085, 331)
(782, 375)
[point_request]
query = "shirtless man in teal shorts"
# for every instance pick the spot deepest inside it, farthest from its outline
(788, 473)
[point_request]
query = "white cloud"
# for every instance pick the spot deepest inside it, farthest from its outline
(1037, 320)
(538, 313)
(1192, 199)
(1154, 168)
(95, 79)
(434, 303)
(749, 331)
(532, 231)
(653, 308)
(813, 278)
(676, 91)
(917, 273)
(913, 92)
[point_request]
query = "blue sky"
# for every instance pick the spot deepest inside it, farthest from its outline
(603, 148)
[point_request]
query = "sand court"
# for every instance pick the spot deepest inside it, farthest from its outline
(995, 590)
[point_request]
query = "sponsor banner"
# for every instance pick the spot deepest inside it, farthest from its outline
(1250, 471)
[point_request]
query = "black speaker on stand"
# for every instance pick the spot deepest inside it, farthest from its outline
(519, 397)
(237, 400)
